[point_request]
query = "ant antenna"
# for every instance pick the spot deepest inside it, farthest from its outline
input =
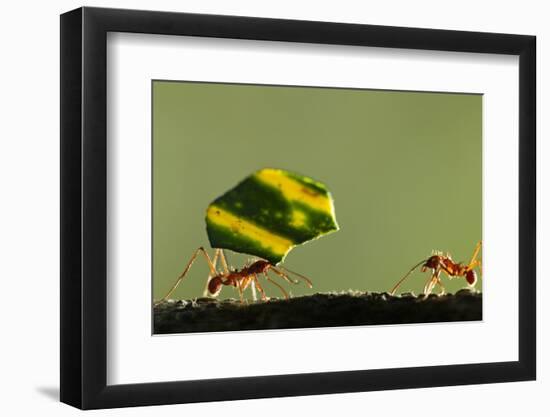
(406, 275)
(306, 279)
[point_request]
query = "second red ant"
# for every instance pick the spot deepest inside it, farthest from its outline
(438, 263)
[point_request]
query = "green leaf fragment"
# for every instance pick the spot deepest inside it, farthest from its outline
(269, 213)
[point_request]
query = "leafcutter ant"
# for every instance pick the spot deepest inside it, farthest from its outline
(438, 263)
(240, 279)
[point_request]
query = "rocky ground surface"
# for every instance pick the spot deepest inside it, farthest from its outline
(317, 310)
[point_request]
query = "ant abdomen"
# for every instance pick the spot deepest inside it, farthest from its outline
(471, 277)
(215, 286)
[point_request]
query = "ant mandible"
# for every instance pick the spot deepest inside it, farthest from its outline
(240, 279)
(444, 263)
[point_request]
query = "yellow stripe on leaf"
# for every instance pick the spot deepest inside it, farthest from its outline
(276, 244)
(294, 190)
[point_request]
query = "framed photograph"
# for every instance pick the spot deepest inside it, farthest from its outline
(258, 207)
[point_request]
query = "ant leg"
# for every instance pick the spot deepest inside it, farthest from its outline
(242, 285)
(473, 262)
(476, 263)
(182, 275)
(425, 291)
(224, 261)
(249, 281)
(253, 287)
(240, 289)
(440, 284)
(431, 282)
(259, 288)
(274, 283)
(210, 276)
(306, 279)
(253, 291)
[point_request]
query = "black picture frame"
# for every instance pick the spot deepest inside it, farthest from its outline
(84, 207)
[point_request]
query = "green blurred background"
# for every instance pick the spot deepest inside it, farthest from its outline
(404, 169)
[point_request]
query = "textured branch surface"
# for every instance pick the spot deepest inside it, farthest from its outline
(318, 310)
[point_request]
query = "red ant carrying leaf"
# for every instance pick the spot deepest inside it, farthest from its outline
(444, 263)
(240, 279)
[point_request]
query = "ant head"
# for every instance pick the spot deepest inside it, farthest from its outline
(215, 286)
(431, 263)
